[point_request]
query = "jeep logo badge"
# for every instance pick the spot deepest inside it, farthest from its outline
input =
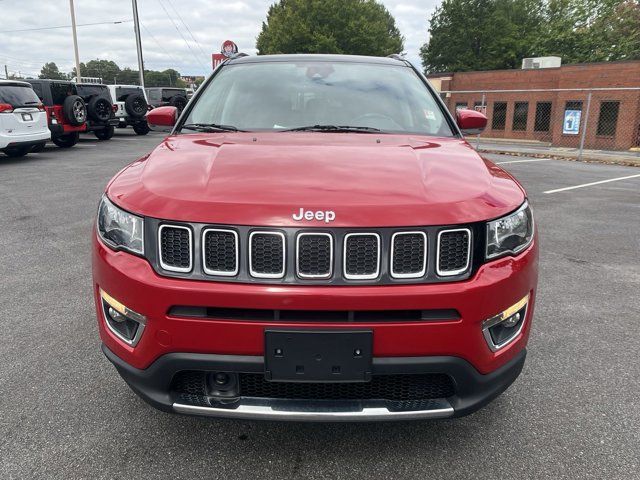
(321, 215)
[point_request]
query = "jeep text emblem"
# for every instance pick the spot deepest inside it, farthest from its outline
(323, 215)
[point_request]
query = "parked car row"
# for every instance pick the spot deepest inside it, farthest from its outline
(35, 111)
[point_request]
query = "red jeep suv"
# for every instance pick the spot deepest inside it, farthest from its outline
(315, 240)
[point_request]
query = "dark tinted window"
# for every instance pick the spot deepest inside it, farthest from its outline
(461, 105)
(608, 118)
(38, 89)
(499, 119)
(169, 93)
(18, 96)
(543, 117)
(90, 90)
(61, 90)
(123, 92)
(520, 112)
(573, 105)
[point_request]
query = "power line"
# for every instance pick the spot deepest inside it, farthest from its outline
(66, 26)
(173, 59)
(188, 29)
(184, 39)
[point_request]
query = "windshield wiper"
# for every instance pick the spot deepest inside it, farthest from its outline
(210, 127)
(333, 128)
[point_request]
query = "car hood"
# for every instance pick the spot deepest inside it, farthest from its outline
(367, 180)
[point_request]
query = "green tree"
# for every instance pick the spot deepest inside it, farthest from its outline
(50, 70)
(481, 34)
(357, 27)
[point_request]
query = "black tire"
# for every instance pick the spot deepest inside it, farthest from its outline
(38, 148)
(136, 105)
(105, 134)
(99, 108)
(16, 152)
(179, 102)
(66, 141)
(74, 110)
(141, 128)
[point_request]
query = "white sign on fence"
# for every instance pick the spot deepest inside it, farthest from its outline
(571, 125)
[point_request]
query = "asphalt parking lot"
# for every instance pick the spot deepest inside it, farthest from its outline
(65, 413)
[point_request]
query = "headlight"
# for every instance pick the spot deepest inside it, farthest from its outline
(120, 229)
(510, 234)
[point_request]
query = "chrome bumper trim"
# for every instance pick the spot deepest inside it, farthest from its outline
(309, 411)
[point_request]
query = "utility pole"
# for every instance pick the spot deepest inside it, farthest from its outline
(75, 41)
(6, 72)
(136, 28)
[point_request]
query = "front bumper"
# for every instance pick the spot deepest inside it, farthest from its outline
(472, 389)
(455, 347)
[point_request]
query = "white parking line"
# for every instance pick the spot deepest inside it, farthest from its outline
(592, 183)
(525, 161)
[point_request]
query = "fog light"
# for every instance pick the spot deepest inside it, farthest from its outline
(502, 329)
(123, 322)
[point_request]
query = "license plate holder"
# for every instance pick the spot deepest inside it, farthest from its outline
(318, 356)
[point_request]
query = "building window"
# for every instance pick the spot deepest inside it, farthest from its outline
(461, 106)
(499, 119)
(520, 112)
(608, 118)
(543, 117)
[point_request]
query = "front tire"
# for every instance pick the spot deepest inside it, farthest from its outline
(105, 133)
(16, 152)
(141, 128)
(66, 141)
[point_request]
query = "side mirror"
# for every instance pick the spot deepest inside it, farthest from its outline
(162, 119)
(471, 122)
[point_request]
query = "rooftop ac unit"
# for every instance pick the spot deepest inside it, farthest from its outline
(541, 62)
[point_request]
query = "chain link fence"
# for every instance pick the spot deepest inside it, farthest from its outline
(602, 119)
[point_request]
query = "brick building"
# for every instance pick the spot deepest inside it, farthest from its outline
(550, 104)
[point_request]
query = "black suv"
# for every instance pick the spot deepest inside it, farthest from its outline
(100, 118)
(163, 97)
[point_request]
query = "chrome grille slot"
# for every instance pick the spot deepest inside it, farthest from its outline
(314, 255)
(175, 248)
(220, 252)
(454, 251)
(361, 256)
(408, 254)
(267, 253)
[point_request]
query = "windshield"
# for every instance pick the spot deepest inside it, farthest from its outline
(279, 95)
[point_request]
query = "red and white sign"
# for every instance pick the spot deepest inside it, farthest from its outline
(228, 49)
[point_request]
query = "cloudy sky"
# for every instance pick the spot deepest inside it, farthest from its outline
(26, 41)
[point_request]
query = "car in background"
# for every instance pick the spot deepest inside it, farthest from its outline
(23, 120)
(101, 119)
(66, 110)
(168, 97)
(130, 107)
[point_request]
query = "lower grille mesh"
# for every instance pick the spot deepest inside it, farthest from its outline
(381, 387)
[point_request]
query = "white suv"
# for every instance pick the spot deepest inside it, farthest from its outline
(23, 120)
(131, 106)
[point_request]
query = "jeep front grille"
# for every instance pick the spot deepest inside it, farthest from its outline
(175, 248)
(454, 247)
(267, 253)
(314, 255)
(362, 256)
(333, 256)
(220, 252)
